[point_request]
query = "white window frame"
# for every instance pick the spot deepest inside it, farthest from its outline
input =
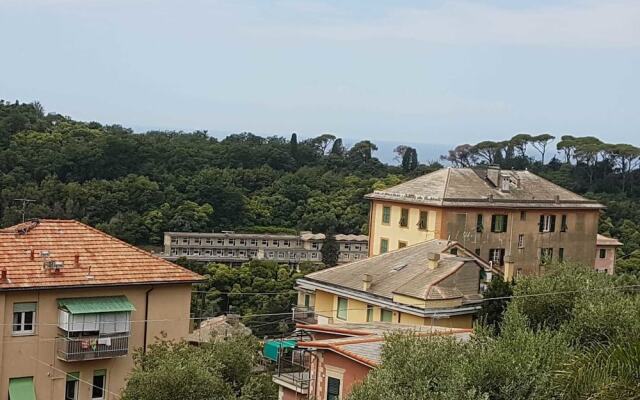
(546, 226)
(521, 241)
(22, 331)
(104, 387)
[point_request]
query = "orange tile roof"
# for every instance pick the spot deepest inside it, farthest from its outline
(90, 257)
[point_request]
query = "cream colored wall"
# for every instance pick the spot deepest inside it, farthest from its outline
(24, 356)
(357, 313)
(394, 232)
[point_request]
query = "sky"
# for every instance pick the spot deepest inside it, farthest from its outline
(433, 72)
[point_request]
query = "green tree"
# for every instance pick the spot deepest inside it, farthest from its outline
(330, 251)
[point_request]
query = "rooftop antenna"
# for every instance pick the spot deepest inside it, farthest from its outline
(24, 206)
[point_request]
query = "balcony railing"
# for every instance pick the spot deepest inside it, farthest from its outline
(304, 315)
(92, 347)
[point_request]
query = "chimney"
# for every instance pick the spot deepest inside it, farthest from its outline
(366, 282)
(3, 277)
(33, 255)
(509, 268)
(433, 259)
(493, 175)
(76, 260)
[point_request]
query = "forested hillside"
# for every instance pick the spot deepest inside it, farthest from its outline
(136, 186)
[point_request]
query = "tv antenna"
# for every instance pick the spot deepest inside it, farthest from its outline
(24, 206)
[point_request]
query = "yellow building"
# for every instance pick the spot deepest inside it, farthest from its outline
(433, 282)
(76, 304)
(495, 213)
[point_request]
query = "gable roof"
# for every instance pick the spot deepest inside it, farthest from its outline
(89, 257)
(470, 187)
(402, 271)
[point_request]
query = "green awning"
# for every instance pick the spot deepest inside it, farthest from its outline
(21, 389)
(93, 305)
(272, 348)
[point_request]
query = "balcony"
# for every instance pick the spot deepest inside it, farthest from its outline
(304, 315)
(92, 347)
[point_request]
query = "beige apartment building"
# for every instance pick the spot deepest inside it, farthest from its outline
(76, 305)
(493, 212)
(238, 248)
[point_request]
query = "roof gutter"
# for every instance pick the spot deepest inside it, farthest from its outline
(384, 302)
(87, 286)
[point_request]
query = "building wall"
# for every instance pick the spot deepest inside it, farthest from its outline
(26, 356)
(348, 371)
(394, 233)
(606, 264)
(459, 224)
(239, 248)
(327, 305)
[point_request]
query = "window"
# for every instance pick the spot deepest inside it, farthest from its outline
(384, 245)
(496, 256)
(307, 300)
(220, 241)
(477, 251)
(232, 242)
(369, 313)
(386, 315)
(404, 217)
(453, 251)
(499, 223)
(603, 253)
(402, 244)
(285, 243)
(521, 241)
(547, 223)
(99, 383)
(281, 254)
(71, 386)
(546, 255)
(386, 215)
(342, 308)
(314, 255)
(479, 223)
(219, 252)
(563, 223)
(314, 245)
(333, 388)
(561, 254)
(197, 241)
(243, 242)
(523, 215)
(423, 221)
(209, 241)
(275, 243)
(356, 247)
(265, 242)
(24, 317)
(254, 242)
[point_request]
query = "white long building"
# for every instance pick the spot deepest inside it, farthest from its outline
(236, 248)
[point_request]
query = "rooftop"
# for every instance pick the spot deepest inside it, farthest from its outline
(364, 342)
(78, 255)
(484, 187)
(603, 240)
(403, 271)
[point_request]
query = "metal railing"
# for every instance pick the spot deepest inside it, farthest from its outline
(304, 315)
(92, 347)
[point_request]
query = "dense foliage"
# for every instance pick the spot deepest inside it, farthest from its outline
(136, 186)
(571, 334)
(223, 370)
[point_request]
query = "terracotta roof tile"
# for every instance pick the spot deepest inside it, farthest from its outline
(90, 257)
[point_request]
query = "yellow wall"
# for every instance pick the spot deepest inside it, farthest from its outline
(24, 356)
(327, 305)
(394, 232)
(459, 224)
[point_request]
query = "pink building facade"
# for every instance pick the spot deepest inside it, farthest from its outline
(606, 248)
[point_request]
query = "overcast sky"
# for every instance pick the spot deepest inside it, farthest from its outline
(416, 71)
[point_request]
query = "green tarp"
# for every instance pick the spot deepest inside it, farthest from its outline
(272, 347)
(94, 305)
(21, 389)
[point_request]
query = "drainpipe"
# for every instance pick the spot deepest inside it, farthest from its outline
(146, 318)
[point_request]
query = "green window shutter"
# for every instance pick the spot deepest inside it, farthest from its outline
(541, 223)
(553, 224)
(22, 389)
(343, 305)
(384, 245)
(386, 316)
(24, 307)
(73, 376)
(505, 223)
(100, 372)
(386, 215)
(493, 222)
(369, 313)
